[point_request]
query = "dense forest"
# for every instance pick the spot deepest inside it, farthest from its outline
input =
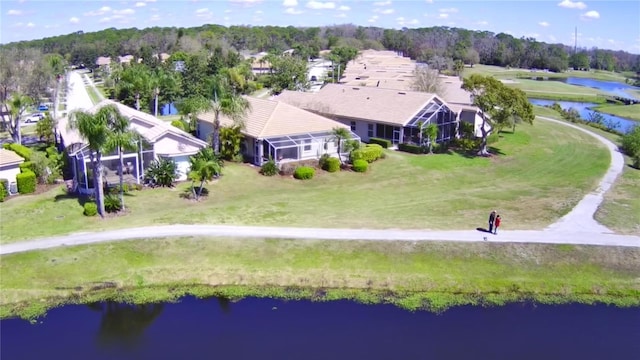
(436, 45)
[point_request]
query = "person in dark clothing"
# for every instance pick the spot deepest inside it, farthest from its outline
(492, 218)
(496, 224)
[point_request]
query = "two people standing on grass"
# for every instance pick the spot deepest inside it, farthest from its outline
(494, 222)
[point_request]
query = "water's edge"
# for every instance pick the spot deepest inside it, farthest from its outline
(412, 301)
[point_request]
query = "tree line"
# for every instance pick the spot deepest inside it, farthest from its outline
(442, 45)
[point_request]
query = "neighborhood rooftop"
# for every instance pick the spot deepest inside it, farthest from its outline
(268, 118)
(8, 157)
(360, 102)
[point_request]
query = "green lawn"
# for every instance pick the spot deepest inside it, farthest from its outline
(434, 275)
(95, 97)
(621, 208)
(552, 89)
(504, 73)
(626, 111)
(542, 172)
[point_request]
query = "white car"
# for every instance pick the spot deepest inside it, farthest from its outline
(33, 118)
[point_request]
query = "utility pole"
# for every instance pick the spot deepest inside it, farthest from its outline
(575, 46)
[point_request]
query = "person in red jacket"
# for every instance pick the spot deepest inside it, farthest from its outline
(496, 224)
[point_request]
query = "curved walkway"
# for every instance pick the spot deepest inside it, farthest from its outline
(577, 227)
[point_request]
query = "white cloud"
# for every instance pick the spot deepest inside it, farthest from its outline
(124, 12)
(384, 11)
(14, 12)
(344, 8)
(74, 20)
(317, 5)
(373, 19)
(482, 22)
(443, 16)
(30, 24)
(292, 11)
(552, 38)
(258, 12)
(150, 0)
(590, 15)
(104, 20)
(290, 3)
(449, 10)
(404, 22)
(103, 10)
(382, 3)
(572, 5)
(154, 17)
(429, 1)
(140, 4)
(204, 13)
(341, 15)
(246, 3)
(543, 23)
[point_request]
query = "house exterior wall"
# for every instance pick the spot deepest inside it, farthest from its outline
(474, 119)
(182, 162)
(362, 128)
(9, 172)
(172, 145)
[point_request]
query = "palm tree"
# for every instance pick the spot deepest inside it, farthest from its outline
(205, 165)
(431, 132)
(340, 134)
(18, 103)
(94, 129)
(120, 138)
(226, 102)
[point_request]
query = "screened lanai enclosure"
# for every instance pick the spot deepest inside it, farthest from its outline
(437, 113)
(289, 148)
(134, 165)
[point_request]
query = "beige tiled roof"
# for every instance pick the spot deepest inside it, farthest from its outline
(8, 157)
(268, 118)
(453, 92)
(148, 126)
(103, 60)
(370, 103)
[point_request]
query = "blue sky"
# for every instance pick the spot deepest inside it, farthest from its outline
(603, 24)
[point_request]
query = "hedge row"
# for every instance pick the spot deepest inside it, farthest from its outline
(304, 173)
(410, 148)
(4, 189)
(382, 142)
(369, 153)
(26, 182)
(22, 151)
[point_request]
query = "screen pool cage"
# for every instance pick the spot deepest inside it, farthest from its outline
(303, 146)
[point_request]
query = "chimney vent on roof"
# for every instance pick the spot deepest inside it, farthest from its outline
(355, 88)
(402, 93)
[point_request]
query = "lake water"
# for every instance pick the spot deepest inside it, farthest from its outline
(611, 87)
(273, 329)
(584, 109)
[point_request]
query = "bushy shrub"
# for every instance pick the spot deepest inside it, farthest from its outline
(125, 188)
(360, 166)
(22, 151)
(332, 165)
(467, 145)
(382, 142)
(410, 148)
(27, 166)
(90, 209)
(368, 153)
(178, 124)
(269, 168)
(26, 182)
(304, 173)
(112, 203)
(4, 191)
(162, 172)
(631, 142)
(322, 162)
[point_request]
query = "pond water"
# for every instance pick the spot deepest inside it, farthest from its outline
(274, 329)
(614, 88)
(584, 109)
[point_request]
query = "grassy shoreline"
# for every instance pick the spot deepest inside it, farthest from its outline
(431, 275)
(631, 112)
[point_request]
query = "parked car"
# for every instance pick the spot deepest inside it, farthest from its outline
(34, 118)
(43, 107)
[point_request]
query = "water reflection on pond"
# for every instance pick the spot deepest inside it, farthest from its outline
(273, 329)
(584, 109)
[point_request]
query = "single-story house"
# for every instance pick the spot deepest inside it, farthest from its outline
(381, 113)
(461, 101)
(9, 168)
(281, 132)
(158, 139)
